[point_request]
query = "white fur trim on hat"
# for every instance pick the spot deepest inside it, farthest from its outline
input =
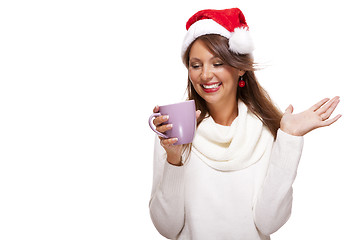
(203, 27)
(240, 40)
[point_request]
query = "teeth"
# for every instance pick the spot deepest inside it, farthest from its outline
(211, 86)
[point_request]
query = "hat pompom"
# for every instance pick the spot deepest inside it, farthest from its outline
(241, 42)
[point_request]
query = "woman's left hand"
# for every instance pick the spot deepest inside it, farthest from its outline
(317, 116)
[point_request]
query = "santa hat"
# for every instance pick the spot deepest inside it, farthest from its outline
(229, 23)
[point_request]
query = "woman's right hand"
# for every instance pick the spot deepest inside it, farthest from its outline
(173, 151)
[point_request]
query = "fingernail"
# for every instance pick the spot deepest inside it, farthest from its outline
(169, 125)
(166, 117)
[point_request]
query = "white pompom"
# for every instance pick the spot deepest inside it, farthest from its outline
(241, 41)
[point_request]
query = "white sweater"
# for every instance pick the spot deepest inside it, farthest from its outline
(198, 202)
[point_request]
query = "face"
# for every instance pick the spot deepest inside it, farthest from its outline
(213, 80)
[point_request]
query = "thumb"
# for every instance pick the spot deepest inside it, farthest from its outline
(198, 112)
(289, 109)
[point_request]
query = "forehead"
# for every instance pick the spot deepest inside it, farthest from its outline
(200, 51)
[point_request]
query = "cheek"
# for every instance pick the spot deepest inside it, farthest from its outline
(233, 79)
(231, 73)
(193, 76)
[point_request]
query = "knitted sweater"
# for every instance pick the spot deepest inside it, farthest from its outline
(198, 202)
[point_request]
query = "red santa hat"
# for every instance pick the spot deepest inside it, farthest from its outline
(229, 23)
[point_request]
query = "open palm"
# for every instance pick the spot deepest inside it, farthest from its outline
(317, 116)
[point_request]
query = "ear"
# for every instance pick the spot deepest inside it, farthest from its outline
(241, 73)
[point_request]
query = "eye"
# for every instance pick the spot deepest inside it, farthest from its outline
(195, 66)
(218, 64)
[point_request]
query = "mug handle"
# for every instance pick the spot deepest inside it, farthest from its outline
(152, 126)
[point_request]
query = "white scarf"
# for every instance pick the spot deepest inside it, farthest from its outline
(235, 147)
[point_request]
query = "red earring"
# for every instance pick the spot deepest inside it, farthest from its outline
(241, 82)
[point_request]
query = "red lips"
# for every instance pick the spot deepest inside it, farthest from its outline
(212, 89)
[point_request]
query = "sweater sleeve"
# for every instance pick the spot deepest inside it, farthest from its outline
(274, 201)
(167, 196)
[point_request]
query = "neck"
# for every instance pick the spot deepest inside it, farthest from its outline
(224, 114)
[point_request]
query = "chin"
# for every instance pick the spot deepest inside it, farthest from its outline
(211, 99)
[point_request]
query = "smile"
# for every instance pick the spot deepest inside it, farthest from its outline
(215, 85)
(211, 87)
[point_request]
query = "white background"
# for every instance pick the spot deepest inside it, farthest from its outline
(78, 80)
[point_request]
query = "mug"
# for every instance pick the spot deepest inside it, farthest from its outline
(182, 116)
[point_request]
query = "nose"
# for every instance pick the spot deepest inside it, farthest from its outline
(206, 74)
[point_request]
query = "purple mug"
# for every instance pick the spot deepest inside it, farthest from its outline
(183, 118)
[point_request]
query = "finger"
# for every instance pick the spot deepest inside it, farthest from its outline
(156, 109)
(323, 109)
(161, 119)
(164, 128)
(330, 109)
(169, 141)
(198, 112)
(331, 121)
(289, 109)
(319, 104)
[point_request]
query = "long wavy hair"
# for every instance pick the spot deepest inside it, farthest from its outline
(252, 95)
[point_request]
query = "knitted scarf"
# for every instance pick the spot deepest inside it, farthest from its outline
(235, 147)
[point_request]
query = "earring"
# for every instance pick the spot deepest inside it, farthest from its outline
(241, 82)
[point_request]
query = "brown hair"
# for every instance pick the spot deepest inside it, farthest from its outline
(253, 95)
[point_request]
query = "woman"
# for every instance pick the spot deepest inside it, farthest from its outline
(235, 180)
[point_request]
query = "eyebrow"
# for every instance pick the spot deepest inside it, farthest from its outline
(197, 59)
